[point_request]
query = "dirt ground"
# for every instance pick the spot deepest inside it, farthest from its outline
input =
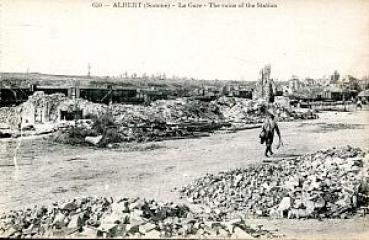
(49, 172)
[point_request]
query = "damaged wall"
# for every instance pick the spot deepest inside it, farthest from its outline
(265, 88)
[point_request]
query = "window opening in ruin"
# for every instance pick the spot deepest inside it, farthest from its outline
(71, 115)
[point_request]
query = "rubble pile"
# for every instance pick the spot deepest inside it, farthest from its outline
(127, 218)
(167, 111)
(162, 119)
(330, 183)
(240, 110)
(236, 110)
(126, 123)
(185, 110)
(88, 108)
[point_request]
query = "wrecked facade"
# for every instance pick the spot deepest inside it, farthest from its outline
(41, 108)
(265, 88)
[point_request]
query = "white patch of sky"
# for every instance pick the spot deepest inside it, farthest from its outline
(305, 38)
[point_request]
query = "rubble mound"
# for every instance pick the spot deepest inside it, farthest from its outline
(165, 119)
(172, 119)
(240, 110)
(126, 218)
(330, 183)
(162, 119)
(166, 114)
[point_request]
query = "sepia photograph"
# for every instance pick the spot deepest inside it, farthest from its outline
(180, 119)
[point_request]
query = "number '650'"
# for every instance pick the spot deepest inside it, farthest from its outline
(96, 4)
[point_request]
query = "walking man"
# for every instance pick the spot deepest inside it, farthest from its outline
(267, 133)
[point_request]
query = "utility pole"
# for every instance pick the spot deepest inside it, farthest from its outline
(1, 85)
(89, 70)
(75, 103)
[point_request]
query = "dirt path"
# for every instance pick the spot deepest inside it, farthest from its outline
(48, 172)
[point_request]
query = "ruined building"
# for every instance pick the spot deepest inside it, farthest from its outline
(265, 88)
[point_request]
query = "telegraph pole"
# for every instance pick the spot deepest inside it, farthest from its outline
(75, 103)
(89, 70)
(1, 85)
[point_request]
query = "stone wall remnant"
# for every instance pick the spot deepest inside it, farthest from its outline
(265, 88)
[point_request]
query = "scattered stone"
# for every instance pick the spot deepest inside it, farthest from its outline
(285, 204)
(330, 183)
(93, 140)
(75, 222)
(241, 234)
(145, 228)
(94, 217)
(59, 220)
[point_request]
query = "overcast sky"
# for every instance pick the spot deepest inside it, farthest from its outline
(304, 38)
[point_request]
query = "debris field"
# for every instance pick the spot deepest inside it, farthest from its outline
(162, 119)
(330, 183)
(127, 217)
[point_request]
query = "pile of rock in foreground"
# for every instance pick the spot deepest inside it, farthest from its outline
(128, 218)
(330, 183)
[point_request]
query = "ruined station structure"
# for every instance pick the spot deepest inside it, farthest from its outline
(265, 86)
